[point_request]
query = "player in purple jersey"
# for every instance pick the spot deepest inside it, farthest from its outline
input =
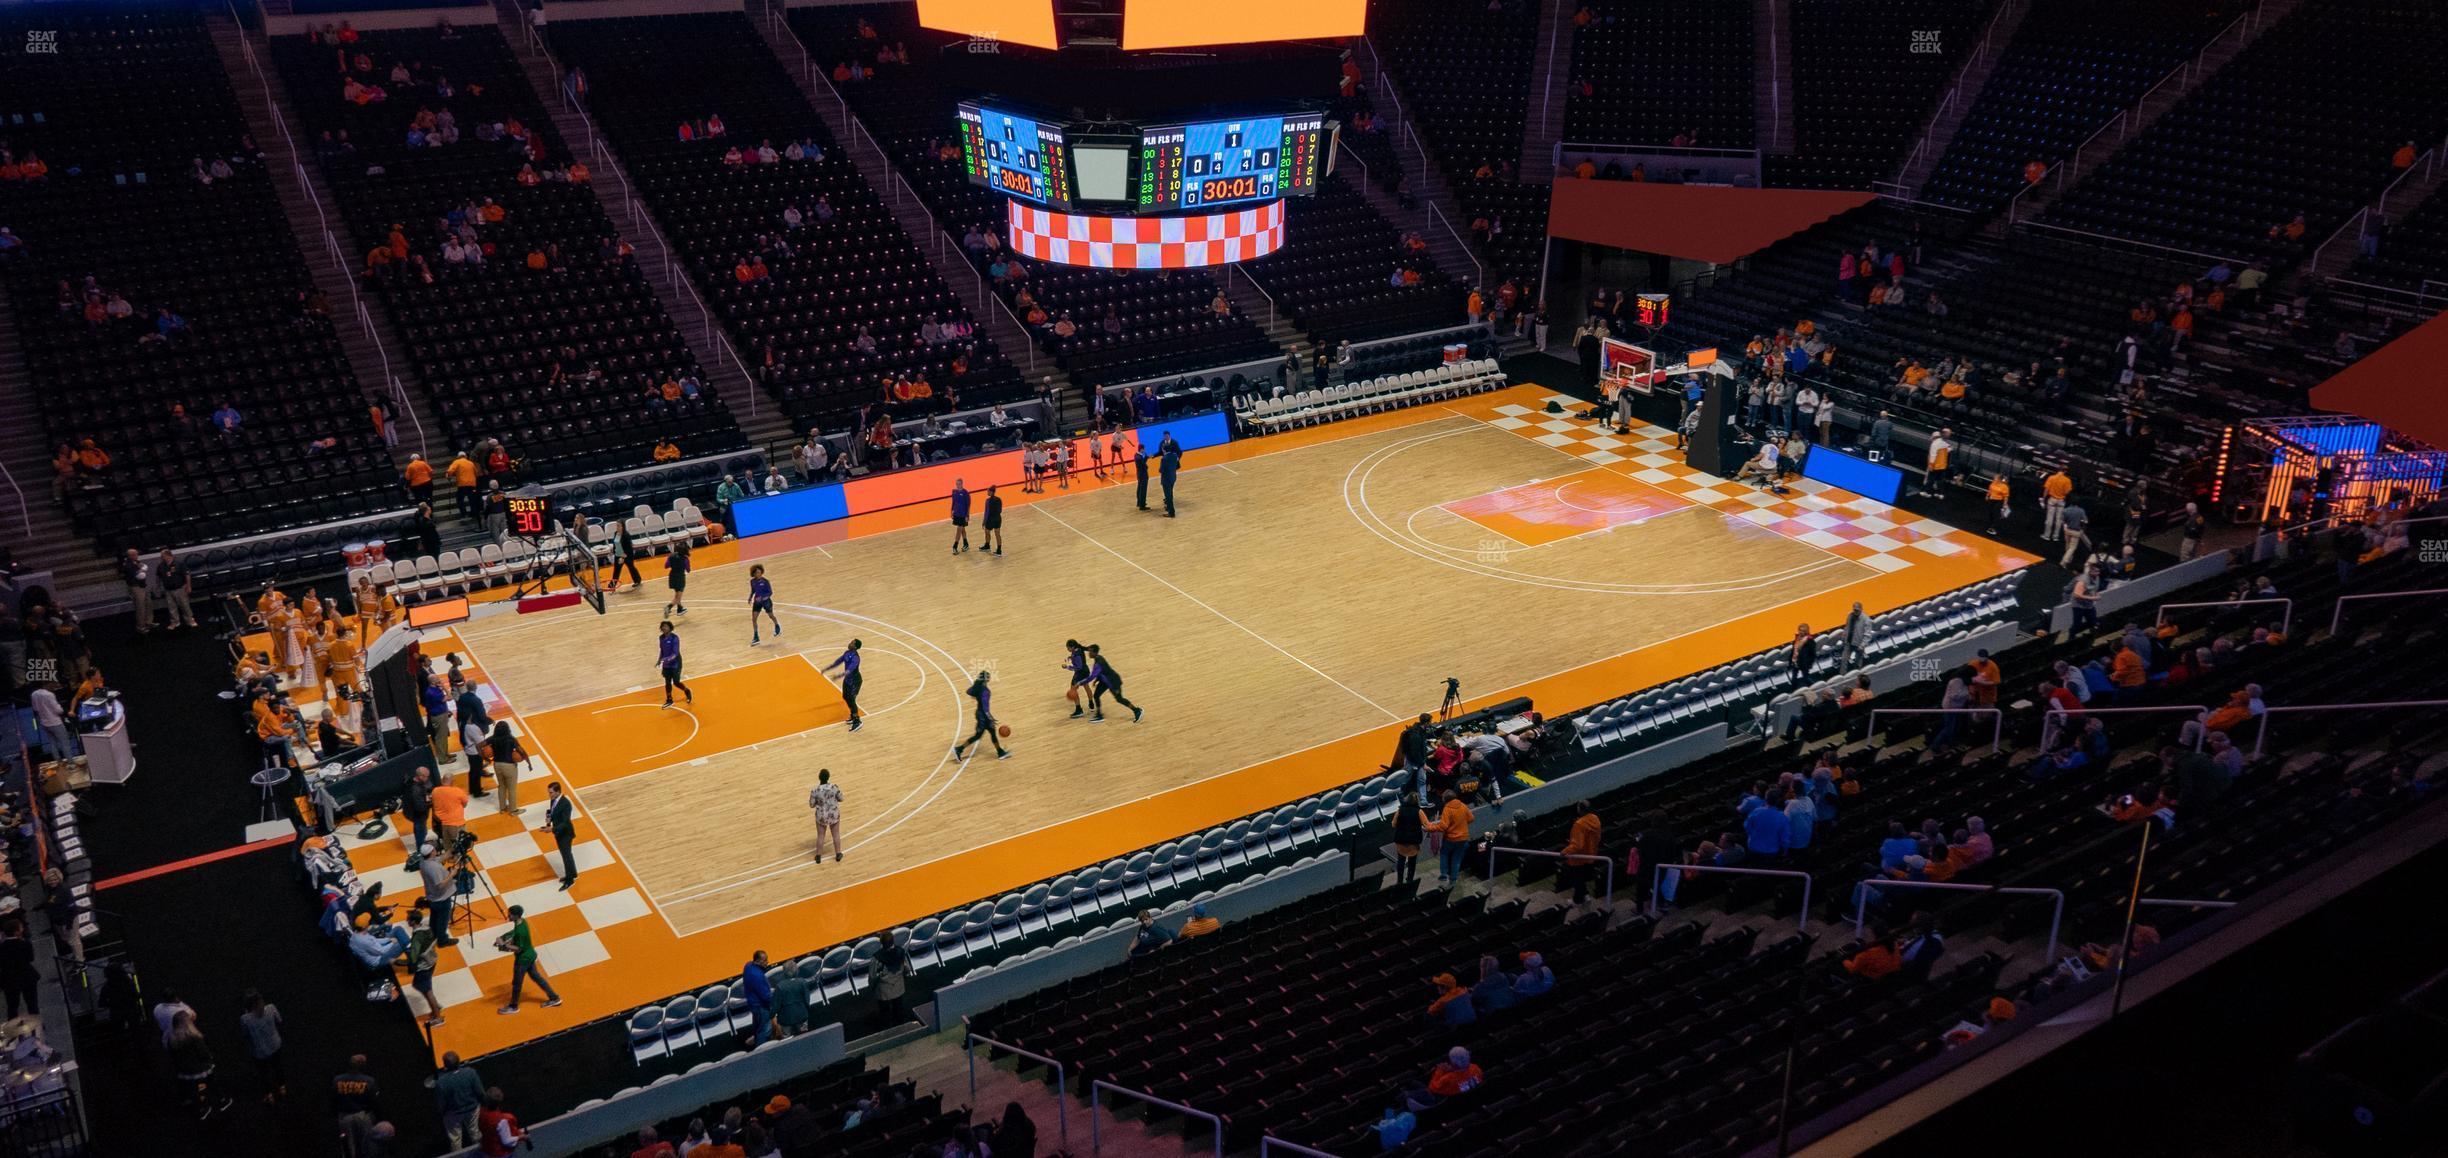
(985, 723)
(960, 516)
(760, 600)
(667, 657)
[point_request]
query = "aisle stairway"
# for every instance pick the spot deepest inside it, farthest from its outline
(368, 337)
(760, 419)
(942, 250)
(1550, 80)
(35, 527)
(1959, 99)
(1772, 75)
(2145, 113)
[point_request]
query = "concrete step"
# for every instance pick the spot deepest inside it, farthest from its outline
(2189, 77)
(708, 342)
(1772, 75)
(1970, 78)
(942, 251)
(1550, 69)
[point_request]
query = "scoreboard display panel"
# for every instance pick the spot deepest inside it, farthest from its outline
(1213, 163)
(1016, 154)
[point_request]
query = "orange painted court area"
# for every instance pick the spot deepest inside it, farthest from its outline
(1535, 514)
(738, 708)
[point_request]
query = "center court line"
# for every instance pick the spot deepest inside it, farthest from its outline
(1210, 609)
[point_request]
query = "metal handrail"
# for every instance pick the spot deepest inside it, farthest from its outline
(1963, 76)
(1062, 1102)
(1657, 880)
(2261, 736)
(1438, 216)
(25, 514)
(399, 396)
(2070, 169)
(1235, 268)
(1547, 93)
(1668, 150)
(2182, 903)
(1601, 858)
(2058, 716)
(2115, 240)
(1345, 146)
(2338, 612)
(1997, 730)
(2422, 294)
(1096, 1141)
(1861, 902)
(1270, 1143)
(2285, 621)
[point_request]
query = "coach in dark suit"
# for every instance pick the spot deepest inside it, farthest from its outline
(1139, 458)
(1169, 467)
(561, 817)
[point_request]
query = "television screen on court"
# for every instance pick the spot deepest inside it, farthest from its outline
(1859, 475)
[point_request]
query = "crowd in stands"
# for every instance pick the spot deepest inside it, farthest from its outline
(177, 350)
(526, 314)
(845, 316)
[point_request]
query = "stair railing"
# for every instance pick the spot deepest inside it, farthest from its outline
(1438, 216)
(1963, 76)
(2071, 169)
(25, 514)
(1235, 268)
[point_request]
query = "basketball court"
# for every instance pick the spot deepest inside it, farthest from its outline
(1316, 591)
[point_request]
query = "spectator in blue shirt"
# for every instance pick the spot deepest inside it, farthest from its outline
(1395, 1127)
(1764, 831)
(1800, 815)
(1898, 845)
(1494, 990)
(1751, 799)
(1535, 978)
(760, 994)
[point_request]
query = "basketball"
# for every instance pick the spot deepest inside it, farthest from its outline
(1003, 731)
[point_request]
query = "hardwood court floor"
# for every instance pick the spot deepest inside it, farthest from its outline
(1316, 591)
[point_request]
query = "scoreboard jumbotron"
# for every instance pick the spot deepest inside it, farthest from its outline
(1164, 194)
(1153, 168)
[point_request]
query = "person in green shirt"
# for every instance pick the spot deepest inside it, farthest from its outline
(727, 492)
(422, 957)
(519, 942)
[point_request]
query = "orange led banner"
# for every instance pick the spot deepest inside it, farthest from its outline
(438, 612)
(1029, 22)
(1184, 23)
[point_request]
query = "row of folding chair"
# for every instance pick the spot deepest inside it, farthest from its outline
(1392, 391)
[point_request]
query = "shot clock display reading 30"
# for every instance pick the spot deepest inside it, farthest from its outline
(1213, 163)
(530, 516)
(1015, 154)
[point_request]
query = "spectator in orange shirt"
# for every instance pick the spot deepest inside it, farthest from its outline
(1199, 924)
(665, 451)
(450, 803)
(1985, 679)
(1454, 823)
(2403, 158)
(1581, 857)
(1875, 961)
(462, 471)
(419, 475)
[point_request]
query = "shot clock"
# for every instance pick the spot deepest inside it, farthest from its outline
(530, 516)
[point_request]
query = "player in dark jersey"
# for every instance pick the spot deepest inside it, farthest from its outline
(849, 663)
(992, 525)
(960, 516)
(985, 723)
(760, 600)
(1108, 683)
(675, 573)
(667, 657)
(1075, 661)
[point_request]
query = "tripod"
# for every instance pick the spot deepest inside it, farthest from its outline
(471, 877)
